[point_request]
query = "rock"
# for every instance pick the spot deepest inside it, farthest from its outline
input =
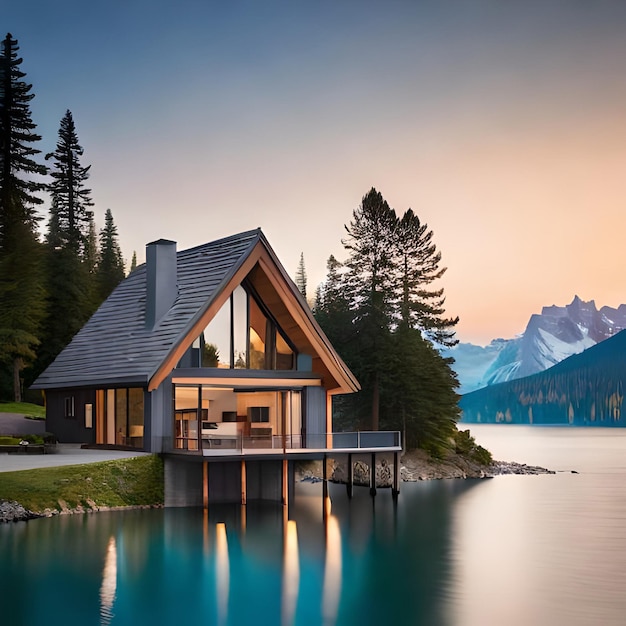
(415, 465)
(15, 512)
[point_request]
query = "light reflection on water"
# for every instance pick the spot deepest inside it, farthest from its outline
(512, 550)
(109, 583)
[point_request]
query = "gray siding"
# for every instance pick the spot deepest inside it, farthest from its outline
(70, 429)
(161, 417)
(183, 483)
(315, 410)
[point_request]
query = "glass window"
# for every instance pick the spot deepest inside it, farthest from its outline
(69, 407)
(240, 328)
(284, 354)
(135, 417)
(186, 418)
(258, 337)
(243, 336)
(216, 345)
(121, 417)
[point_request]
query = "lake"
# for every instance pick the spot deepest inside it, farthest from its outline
(514, 550)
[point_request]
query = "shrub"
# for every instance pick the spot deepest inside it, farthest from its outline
(466, 445)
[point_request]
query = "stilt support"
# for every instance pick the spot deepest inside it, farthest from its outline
(373, 475)
(205, 485)
(350, 483)
(244, 486)
(285, 482)
(395, 490)
(324, 478)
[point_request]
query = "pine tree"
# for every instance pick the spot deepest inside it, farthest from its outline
(370, 265)
(381, 315)
(91, 249)
(417, 264)
(332, 306)
(133, 262)
(17, 188)
(332, 311)
(21, 279)
(110, 270)
(70, 198)
(421, 399)
(301, 276)
(68, 280)
(21, 307)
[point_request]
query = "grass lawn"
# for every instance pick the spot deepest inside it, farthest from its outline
(123, 482)
(24, 408)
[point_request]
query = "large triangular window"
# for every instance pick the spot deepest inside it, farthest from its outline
(244, 335)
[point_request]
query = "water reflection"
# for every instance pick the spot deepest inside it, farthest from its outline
(109, 583)
(332, 572)
(359, 564)
(291, 574)
(222, 568)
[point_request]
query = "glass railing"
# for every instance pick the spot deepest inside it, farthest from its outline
(360, 440)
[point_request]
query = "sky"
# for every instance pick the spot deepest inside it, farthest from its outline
(500, 123)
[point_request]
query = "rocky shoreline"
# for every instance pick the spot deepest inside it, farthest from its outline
(416, 465)
(15, 512)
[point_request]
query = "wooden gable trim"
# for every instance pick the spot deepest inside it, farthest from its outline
(342, 376)
(260, 254)
(200, 324)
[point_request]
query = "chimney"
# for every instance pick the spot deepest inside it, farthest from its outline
(161, 287)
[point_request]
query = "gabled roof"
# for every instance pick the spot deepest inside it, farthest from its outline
(116, 348)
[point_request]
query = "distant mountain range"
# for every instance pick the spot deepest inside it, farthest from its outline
(555, 334)
(585, 389)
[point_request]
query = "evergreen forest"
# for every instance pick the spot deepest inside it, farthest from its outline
(386, 317)
(52, 277)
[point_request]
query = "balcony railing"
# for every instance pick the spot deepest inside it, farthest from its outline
(239, 444)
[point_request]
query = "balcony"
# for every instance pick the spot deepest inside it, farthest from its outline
(263, 442)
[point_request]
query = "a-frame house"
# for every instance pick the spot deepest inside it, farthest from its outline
(206, 355)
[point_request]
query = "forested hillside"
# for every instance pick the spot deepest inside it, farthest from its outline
(586, 389)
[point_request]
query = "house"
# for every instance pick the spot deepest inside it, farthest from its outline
(211, 357)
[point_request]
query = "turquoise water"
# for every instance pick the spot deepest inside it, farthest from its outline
(510, 550)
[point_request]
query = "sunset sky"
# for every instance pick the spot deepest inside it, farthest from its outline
(501, 124)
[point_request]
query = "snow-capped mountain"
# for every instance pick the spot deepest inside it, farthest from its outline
(471, 362)
(555, 334)
(584, 390)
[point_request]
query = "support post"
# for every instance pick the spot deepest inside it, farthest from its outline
(285, 482)
(395, 491)
(373, 474)
(205, 485)
(350, 483)
(324, 489)
(244, 485)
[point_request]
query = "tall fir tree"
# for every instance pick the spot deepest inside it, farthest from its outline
(91, 249)
(133, 262)
(18, 188)
(110, 271)
(370, 264)
(383, 317)
(68, 279)
(301, 276)
(417, 266)
(70, 214)
(21, 278)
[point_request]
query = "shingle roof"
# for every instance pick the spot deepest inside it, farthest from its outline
(114, 347)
